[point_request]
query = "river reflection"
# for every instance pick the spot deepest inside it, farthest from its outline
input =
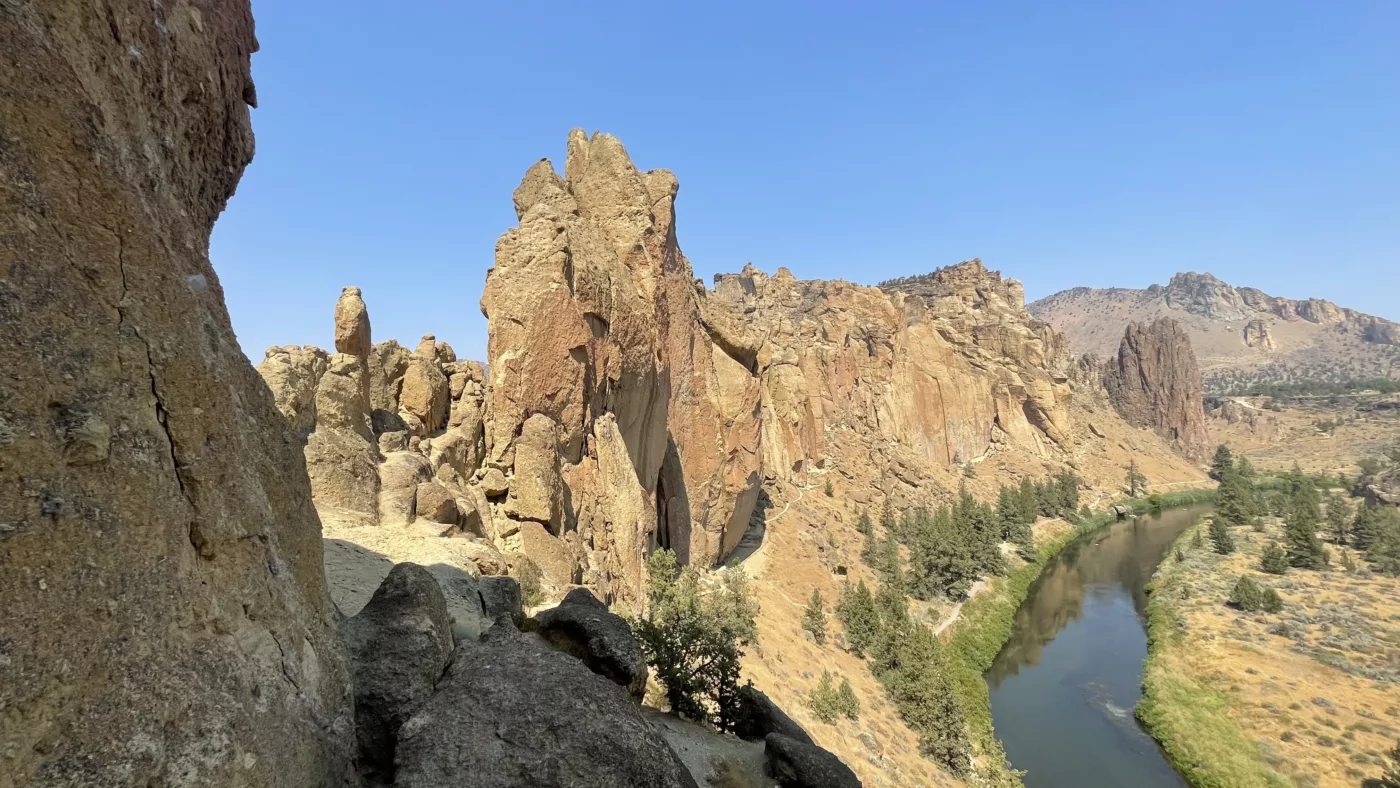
(1064, 686)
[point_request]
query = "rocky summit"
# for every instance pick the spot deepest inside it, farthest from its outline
(1241, 335)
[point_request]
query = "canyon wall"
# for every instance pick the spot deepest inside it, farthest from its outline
(166, 620)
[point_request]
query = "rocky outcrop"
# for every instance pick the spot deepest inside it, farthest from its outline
(166, 619)
(796, 764)
(512, 713)
(1154, 382)
(582, 626)
(943, 364)
(1256, 335)
(762, 716)
(593, 310)
(399, 646)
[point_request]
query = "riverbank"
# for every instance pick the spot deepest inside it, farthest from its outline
(986, 624)
(1303, 697)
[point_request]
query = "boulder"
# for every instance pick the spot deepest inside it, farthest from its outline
(493, 482)
(763, 717)
(399, 475)
(388, 363)
(795, 764)
(166, 619)
(582, 626)
(501, 596)
(399, 646)
(435, 503)
(352, 331)
(512, 713)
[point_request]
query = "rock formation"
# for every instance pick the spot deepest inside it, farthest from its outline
(1256, 335)
(166, 619)
(593, 310)
(1241, 335)
(1154, 382)
(512, 713)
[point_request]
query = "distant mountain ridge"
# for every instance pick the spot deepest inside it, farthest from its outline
(1241, 335)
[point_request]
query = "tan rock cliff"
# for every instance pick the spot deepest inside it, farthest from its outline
(166, 619)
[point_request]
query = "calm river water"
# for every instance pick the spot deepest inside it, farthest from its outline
(1064, 686)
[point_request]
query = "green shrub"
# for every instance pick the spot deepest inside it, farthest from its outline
(1274, 559)
(1250, 596)
(531, 580)
(692, 639)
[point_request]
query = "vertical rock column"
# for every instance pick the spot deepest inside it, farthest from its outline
(166, 619)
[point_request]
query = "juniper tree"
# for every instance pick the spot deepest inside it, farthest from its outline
(1137, 482)
(1339, 519)
(859, 617)
(814, 617)
(1300, 529)
(1274, 559)
(1220, 537)
(1221, 462)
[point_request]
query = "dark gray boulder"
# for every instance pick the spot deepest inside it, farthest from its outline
(513, 713)
(399, 647)
(582, 626)
(501, 595)
(762, 716)
(797, 765)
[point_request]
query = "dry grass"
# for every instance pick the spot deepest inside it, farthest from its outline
(1245, 699)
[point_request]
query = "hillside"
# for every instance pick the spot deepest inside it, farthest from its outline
(1241, 335)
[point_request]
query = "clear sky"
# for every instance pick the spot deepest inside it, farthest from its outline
(1065, 143)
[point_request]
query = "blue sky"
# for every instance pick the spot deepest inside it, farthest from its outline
(1065, 143)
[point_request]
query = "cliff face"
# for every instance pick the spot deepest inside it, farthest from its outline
(944, 371)
(166, 620)
(1240, 334)
(1154, 382)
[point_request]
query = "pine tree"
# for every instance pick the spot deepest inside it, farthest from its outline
(814, 617)
(1385, 550)
(1009, 514)
(1030, 511)
(1220, 537)
(1339, 518)
(846, 701)
(864, 525)
(916, 677)
(860, 618)
(1137, 483)
(1366, 527)
(1300, 537)
(1196, 542)
(1232, 502)
(1222, 462)
(824, 701)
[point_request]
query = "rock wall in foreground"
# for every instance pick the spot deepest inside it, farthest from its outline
(166, 620)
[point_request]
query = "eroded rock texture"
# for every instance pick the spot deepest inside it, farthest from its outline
(1155, 382)
(594, 311)
(166, 620)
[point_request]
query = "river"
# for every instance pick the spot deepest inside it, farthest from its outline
(1064, 686)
